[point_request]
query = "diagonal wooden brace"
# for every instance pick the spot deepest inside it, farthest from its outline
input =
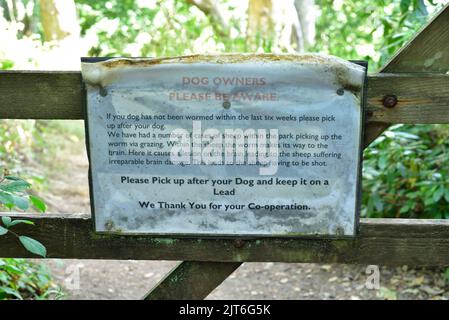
(192, 280)
(427, 52)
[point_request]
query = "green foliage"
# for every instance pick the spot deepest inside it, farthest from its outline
(157, 28)
(22, 279)
(446, 275)
(372, 30)
(13, 194)
(366, 29)
(404, 169)
(16, 141)
(406, 174)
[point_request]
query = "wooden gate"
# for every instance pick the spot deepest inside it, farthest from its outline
(412, 88)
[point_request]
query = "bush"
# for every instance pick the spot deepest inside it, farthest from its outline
(405, 173)
(22, 279)
(19, 278)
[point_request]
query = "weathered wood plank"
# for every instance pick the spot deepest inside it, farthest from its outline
(428, 51)
(41, 95)
(381, 241)
(192, 280)
(423, 98)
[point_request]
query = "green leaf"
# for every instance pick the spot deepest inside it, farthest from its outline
(383, 162)
(21, 202)
(446, 275)
(404, 209)
(438, 194)
(6, 199)
(6, 221)
(446, 195)
(11, 292)
(6, 64)
(3, 231)
(378, 204)
(16, 222)
(33, 246)
(428, 201)
(13, 178)
(16, 186)
(38, 203)
(12, 269)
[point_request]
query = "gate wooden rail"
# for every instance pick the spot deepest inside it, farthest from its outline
(418, 76)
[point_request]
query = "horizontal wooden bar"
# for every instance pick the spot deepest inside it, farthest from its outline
(422, 98)
(380, 241)
(41, 95)
(427, 51)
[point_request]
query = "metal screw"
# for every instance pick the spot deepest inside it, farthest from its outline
(239, 243)
(339, 231)
(103, 92)
(226, 104)
(390, 101)
(340, 91)
(109, 225)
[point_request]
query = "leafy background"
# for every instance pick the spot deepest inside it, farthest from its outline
(404, 172)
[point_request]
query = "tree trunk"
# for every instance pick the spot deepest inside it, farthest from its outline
(58, 19)
(212, 10)
(305, 30)
(261, 24)
(285, 26)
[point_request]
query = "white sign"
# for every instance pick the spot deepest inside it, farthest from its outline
(263, 145)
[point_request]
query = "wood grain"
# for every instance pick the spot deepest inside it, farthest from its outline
(423, 98)
(41, 95)
(192, 280)
(380, 241)
(428, 51)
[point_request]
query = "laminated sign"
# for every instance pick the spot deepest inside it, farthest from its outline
(228, 145)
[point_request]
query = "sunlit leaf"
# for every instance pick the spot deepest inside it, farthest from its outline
(38, 203)
(11, 292)
(15, 186)
(19, 221)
